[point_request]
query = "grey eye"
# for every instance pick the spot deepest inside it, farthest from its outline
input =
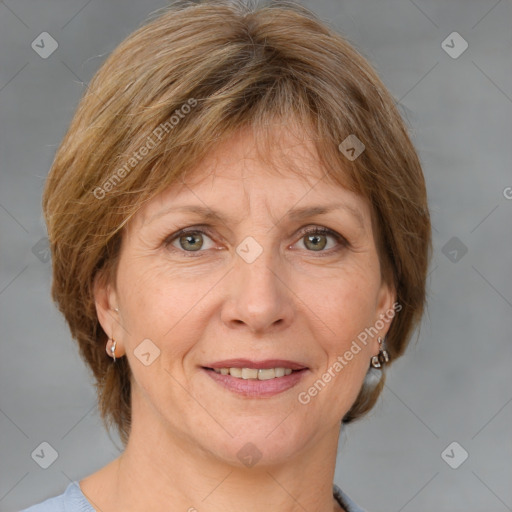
(315, 241)
(191, 241)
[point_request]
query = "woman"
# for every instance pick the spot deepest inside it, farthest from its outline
(240, 238)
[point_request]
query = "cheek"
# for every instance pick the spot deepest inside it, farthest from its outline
(155, 293)
(351, 347)
(348, 309)
(162, 305)
(347, 305)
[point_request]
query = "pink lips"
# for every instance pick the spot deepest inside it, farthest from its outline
(254, 388)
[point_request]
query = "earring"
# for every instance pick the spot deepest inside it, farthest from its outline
(383, 356)
(112, 348)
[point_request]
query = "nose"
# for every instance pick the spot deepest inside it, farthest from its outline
(260, 299)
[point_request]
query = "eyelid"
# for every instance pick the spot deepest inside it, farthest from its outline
(199, 228)
(311, 229)
(322, 230)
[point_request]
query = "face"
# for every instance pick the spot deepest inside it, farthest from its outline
(282, 273)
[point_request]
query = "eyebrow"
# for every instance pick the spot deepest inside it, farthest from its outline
(294, 214)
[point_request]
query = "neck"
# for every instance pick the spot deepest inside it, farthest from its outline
(162, 470)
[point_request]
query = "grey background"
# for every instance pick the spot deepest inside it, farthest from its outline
(454, 384)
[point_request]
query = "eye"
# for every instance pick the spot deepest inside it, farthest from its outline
(196, 240)
(189, 240)
(316, 239)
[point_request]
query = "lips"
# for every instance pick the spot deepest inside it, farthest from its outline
(256, 379)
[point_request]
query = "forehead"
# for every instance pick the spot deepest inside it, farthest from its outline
(281, 172)
(278, 152)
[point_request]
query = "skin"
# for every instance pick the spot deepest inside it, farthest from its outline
(297, 301)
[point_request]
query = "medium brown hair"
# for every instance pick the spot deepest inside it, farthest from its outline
(243, 66)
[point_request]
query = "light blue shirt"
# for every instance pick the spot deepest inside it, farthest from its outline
(73, 500)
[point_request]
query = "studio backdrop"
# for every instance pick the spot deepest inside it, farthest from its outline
(439, 437)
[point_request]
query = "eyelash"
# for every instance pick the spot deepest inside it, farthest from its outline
(318, 230)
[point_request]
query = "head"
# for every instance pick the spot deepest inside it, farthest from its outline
(240, 111)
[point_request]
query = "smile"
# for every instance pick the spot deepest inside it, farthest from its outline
(254, 373)
(256, 379)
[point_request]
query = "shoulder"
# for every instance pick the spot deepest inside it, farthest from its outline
(71, 500)
(345, 501)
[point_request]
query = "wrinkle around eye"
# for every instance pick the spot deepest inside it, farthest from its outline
(167, 236)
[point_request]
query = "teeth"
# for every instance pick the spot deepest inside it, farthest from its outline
(267, 374)
(249, 373)
(254, 373)
(236, 372)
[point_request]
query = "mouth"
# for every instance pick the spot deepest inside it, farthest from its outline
(256, 379)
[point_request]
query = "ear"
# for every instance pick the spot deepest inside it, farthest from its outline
(106, 301)
(386, 307)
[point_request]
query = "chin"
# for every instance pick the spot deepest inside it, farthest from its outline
(258, 445)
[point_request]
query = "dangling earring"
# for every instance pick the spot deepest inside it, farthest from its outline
(112, 348)
(383, 356)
